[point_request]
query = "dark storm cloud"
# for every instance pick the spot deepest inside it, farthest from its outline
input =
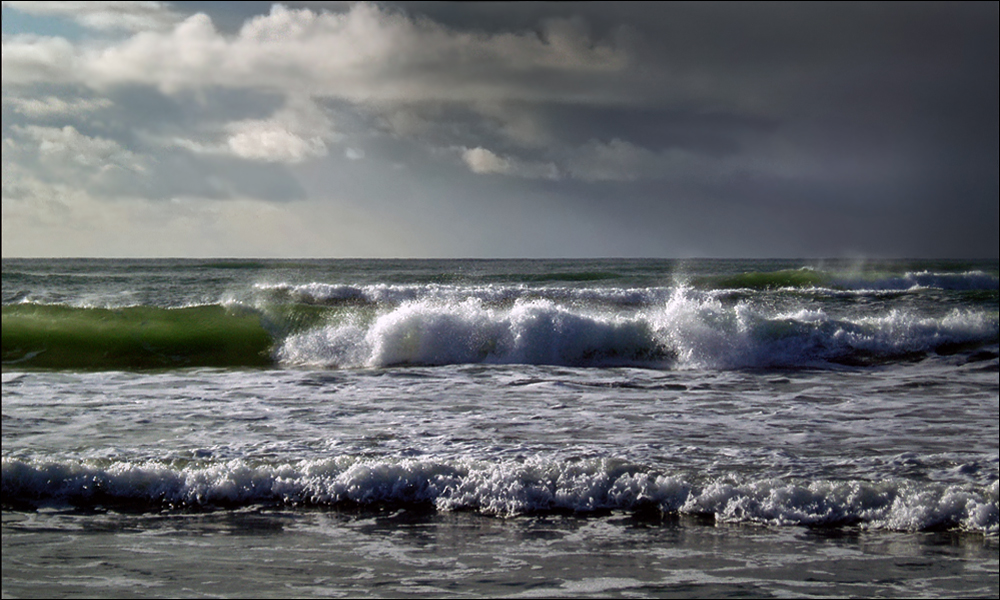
(757, 129)
(886, 113)
(716, 133)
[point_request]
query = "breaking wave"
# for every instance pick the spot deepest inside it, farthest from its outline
(348, 327)
(503, 488)
(687, 331)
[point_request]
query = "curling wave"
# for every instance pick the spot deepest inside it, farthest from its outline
(64, 337)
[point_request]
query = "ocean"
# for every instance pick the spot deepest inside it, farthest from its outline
(467, 428)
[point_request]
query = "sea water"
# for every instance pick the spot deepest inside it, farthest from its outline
(484, 428)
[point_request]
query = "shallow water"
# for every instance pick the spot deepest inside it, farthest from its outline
(256, 552)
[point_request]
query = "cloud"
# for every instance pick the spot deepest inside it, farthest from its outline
(482, 161)
(52, 106)
(297, 132)
(616, 161)
(105, 16)
(643, 119)
(271, 142)
(72, 161)
(622, 161)
(368, 54)
(66, 146)
(107, 168)
(29, 59)
(45, 218)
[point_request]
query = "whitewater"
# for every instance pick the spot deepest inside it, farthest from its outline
(530, 427)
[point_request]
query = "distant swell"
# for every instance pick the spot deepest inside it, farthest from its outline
(806, 277)
(499, 488)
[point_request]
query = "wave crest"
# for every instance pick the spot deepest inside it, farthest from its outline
(504, 488)
(690, 330)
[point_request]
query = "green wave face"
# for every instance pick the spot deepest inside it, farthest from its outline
(788, 278)
(61, 337)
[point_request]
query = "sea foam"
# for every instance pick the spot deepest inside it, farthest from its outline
(688, 330)
(501, 488)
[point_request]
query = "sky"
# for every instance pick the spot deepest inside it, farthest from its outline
(494, 130)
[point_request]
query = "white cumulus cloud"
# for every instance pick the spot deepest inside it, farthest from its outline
(365, 54)
(272, 142)
(297, 132)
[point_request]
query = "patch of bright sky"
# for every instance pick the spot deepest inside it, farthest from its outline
(16, 22)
